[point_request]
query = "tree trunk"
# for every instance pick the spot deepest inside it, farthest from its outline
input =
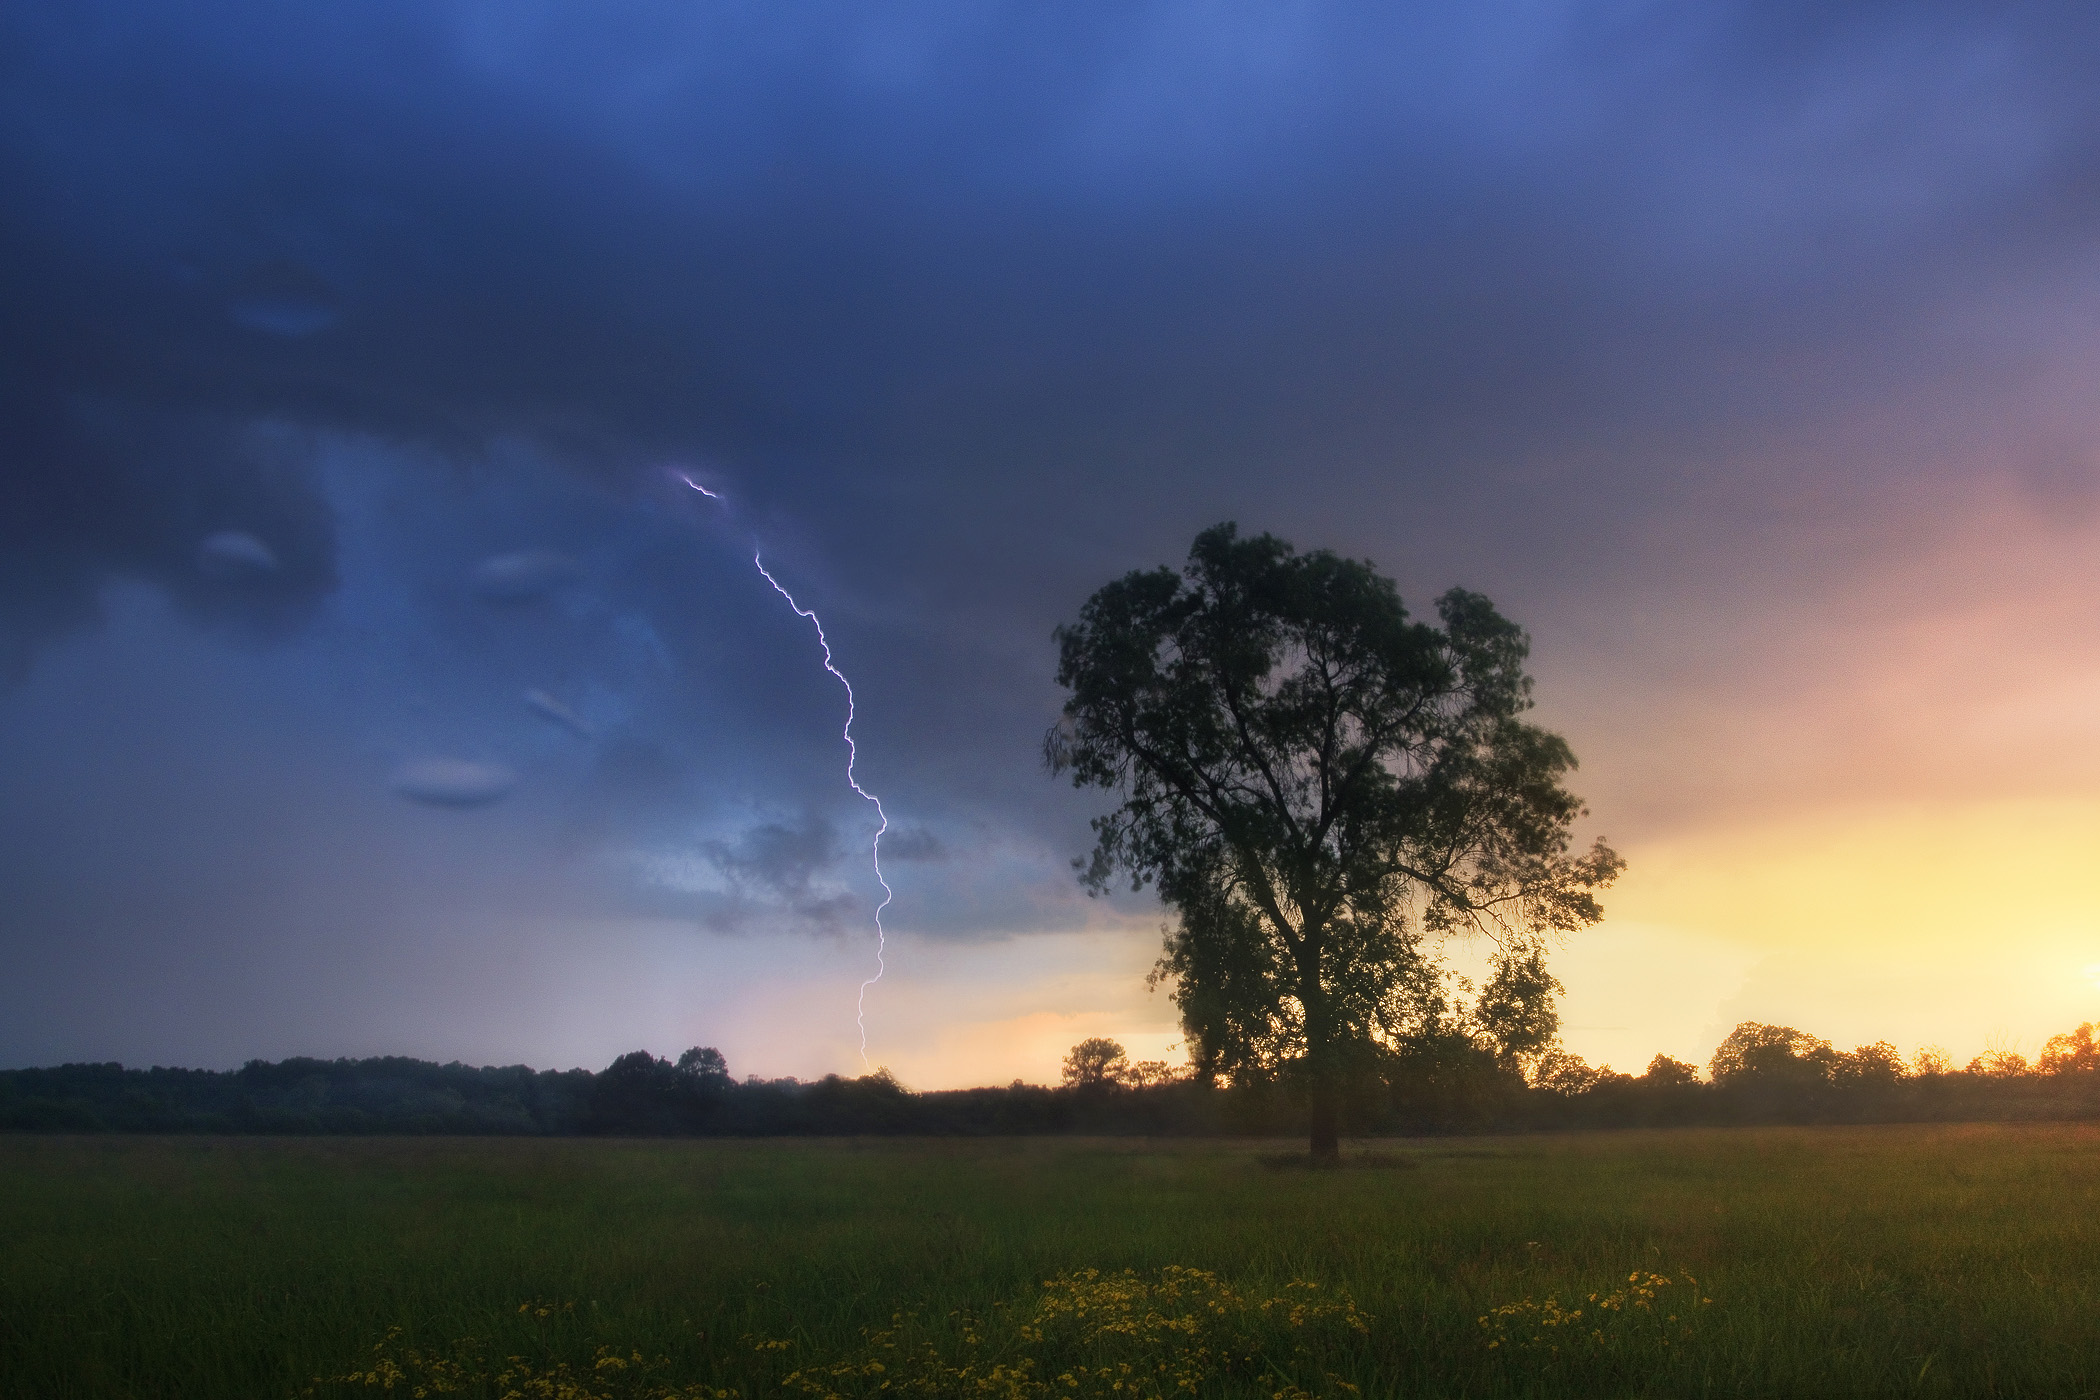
(1326, 1088)
(1326, 1123)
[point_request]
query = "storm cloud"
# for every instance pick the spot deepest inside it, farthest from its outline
(984, 268)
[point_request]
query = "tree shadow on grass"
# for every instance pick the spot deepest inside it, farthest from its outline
(1350, 1161)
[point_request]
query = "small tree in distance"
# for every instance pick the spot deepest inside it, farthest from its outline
(1999, 1062)
(1672, 1072)
(1094, 1062)
(1774, 1054)
(1316, 783)
(1872, 1068)
(1150, 1074)
(704, 1066)
(1930, 1061)
(1514, 1012)
(2073, 1052)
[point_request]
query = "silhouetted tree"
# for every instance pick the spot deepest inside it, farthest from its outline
(1930, 1061)
(1998, 1062)
(1233, 985)
(2071, 1053)
(1447, 1077)
(1314, 782)
(1150, 1074)
(704, 1068)
(1779, 1055)
(639, 1093)
(1559, 1071)
(1869, 1069)
(1444, 1080)
(1094, 1062)
(1515, 1011)
(1663, 1071)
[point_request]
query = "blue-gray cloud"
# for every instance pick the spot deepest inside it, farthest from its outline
(868, 255)
(777, 856)
(453, 782)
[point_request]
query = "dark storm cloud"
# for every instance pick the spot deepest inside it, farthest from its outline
(104, 488)
(867, 255)
(778, 857)
(913, 843)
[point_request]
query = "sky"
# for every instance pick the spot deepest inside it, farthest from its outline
(373, 682)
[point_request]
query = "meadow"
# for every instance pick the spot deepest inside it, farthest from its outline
(1895, 1260)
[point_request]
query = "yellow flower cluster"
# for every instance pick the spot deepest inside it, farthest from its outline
(409, 1370)
(1648, 1310)
(1088, 1336)
(1114, 1336)
(612, 1376)
(920, 1370)
(398, 1369)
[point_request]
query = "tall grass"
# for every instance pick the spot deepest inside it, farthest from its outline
(1900, 1260)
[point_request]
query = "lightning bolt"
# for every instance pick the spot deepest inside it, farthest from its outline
(860, 1014)
(860, 1008)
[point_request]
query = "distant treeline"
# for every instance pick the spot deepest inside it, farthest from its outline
(1760, 1074)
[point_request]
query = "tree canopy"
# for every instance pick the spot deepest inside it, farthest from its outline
(1317, 785)
(1095, 1061)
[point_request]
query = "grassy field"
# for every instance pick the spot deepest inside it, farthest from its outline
(1939, 1260)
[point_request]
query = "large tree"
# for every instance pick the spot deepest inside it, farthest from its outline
(1319, 787)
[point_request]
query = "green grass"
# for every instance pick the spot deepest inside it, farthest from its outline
(1842, 1261)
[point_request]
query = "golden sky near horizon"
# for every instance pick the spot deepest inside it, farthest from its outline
(1883, 811)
